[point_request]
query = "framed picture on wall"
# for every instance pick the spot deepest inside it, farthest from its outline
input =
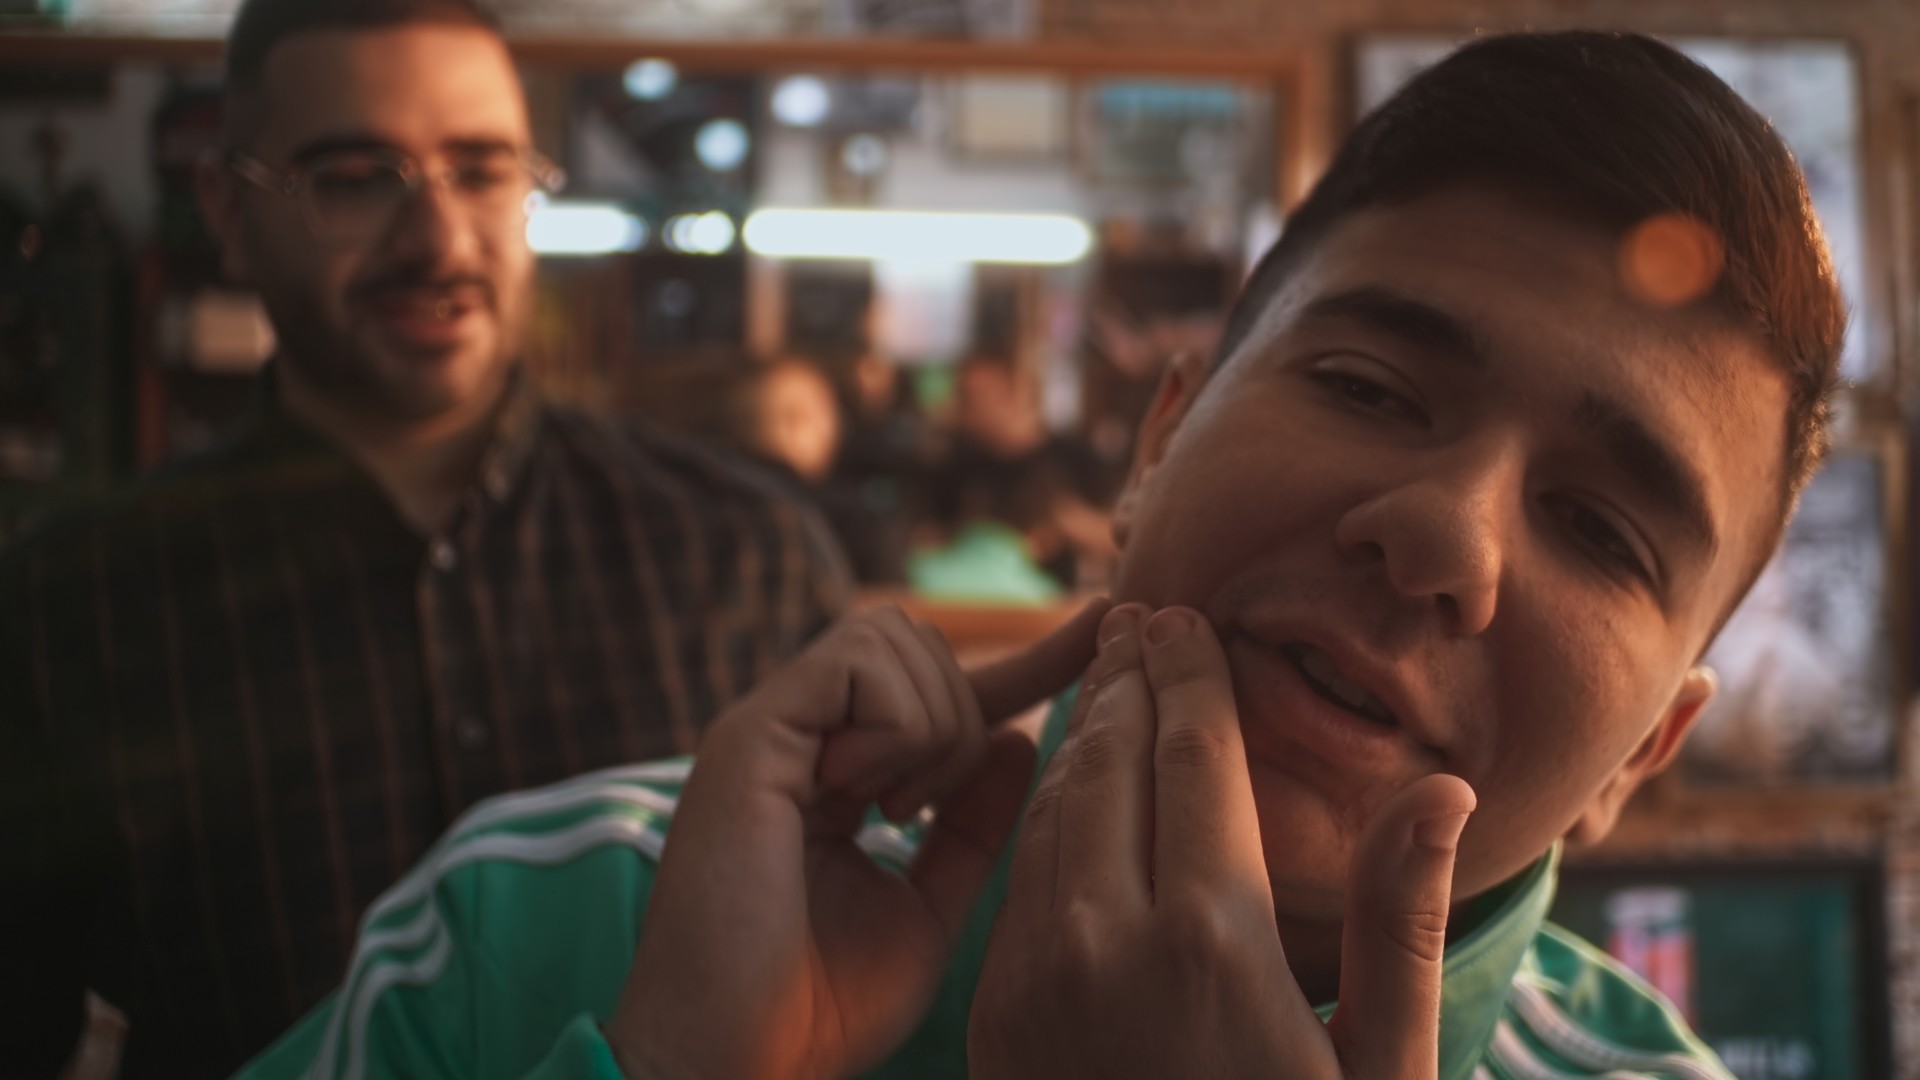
(1780, 966)
(1807, 88)
(1009, 119)
(1809, 664)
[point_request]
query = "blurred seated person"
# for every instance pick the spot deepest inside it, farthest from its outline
(1130, 339)
(785, 414)
(1005, 469)
(884, 462)
(242, 697)
(858, 470)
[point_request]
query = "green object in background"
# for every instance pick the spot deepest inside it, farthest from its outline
(1773, 969)
(986, 562)
(41, 9)
(933, 385)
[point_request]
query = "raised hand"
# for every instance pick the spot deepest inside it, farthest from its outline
(773, 945)
(1139, 935)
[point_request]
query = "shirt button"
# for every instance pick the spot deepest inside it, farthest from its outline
(470, 732)
(496, 482)
(443, 557)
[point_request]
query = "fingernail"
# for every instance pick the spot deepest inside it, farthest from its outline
(1118, 623)
(1439, 833)
(1169, 624)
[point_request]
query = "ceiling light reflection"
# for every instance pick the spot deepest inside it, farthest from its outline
(1038, 239)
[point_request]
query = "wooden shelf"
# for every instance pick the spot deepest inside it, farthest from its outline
(80, 45)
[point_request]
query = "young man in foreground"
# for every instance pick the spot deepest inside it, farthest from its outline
(1500, 433)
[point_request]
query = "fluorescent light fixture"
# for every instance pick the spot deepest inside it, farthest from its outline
(650, 79)
(583, 228)
(1043, 239)
(721, 145)
(802, 101)
(711, 233)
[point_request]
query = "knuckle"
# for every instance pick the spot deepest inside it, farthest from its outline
(861, 635)
(1080, 947)
(1190, 748)
(1092, 685)
(1041, 808)
(1421, 934)
(1096, 751)
(1200, 935)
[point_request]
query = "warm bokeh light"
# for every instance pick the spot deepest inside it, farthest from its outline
(1671, 259)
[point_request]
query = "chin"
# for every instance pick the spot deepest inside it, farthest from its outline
(1307, 848)
(420, 386)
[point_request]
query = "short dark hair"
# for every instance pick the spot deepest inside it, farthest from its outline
(261, 24)
(1619, 128)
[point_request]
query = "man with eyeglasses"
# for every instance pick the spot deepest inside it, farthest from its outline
(238, 701)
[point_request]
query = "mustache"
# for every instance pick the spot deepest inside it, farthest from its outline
(1370, 609)
(420, 279)
(1369, 606)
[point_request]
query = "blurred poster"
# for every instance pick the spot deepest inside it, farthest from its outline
(1807, 665)
(1808, 90)
(988, 19)
(925, 310)
(1780, 967)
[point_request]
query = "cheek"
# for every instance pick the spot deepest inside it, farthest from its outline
(514, 267)
(1212, 510)
(286, 260)
(1573, 703)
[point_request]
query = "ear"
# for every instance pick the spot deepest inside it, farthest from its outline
(1649, 759)
(1180, 384)
(217, 191)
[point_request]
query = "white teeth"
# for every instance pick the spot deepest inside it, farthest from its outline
(1317, 664)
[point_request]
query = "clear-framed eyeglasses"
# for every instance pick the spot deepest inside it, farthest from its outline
(353, 197)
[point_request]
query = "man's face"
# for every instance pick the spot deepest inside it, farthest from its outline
(423, 315)
(1460, 479)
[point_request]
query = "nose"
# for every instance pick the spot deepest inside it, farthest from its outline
(430, 226)
(1439, 533)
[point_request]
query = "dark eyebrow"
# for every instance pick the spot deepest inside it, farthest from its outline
(356, 143)
(1660, 471)
(1416, 322)
(364, 142)
(478, 147)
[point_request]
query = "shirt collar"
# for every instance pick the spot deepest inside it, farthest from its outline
(1478, 972)
(1479, 968)
(515, 434)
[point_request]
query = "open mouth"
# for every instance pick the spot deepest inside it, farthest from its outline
(1320, 673)
(438, 308)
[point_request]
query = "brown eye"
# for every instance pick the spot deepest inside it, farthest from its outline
(486, 176)
(1367, 396)
(1362, 392)
(353, 180)
(1595, 530)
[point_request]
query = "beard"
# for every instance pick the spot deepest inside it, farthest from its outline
(346, 354)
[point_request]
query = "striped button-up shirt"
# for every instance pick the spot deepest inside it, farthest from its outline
(238, 701)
